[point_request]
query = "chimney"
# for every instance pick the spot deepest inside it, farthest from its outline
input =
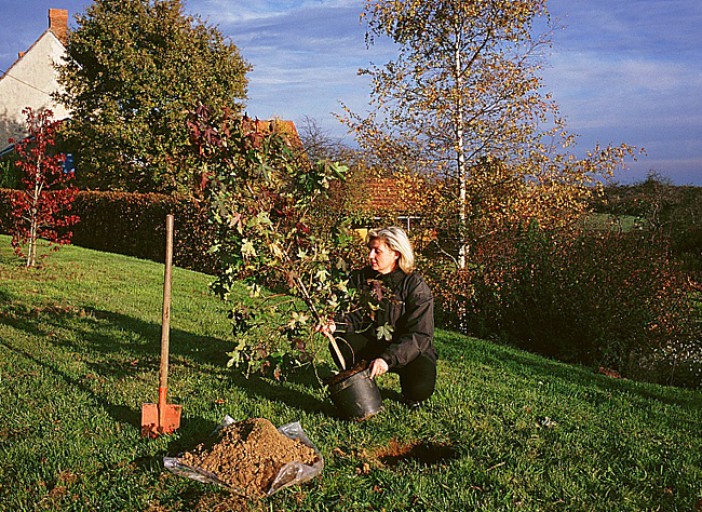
(58, 24)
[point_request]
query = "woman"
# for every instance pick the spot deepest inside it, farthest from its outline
(398, 336)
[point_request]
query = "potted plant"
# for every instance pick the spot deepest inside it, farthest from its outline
(274, 236)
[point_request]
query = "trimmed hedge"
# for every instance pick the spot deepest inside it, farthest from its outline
(134, 225)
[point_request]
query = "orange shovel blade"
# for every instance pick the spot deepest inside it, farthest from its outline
(154, 424)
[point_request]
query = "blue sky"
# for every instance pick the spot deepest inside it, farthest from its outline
(621, 70)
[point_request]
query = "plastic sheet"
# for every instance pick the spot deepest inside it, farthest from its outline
(292, 473)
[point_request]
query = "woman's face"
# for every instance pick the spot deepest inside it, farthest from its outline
(381, 258)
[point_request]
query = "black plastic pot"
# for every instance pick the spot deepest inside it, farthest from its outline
(356, 397)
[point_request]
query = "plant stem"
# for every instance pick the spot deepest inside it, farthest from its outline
(308, 300)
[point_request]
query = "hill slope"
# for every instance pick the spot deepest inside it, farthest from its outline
(506, 430)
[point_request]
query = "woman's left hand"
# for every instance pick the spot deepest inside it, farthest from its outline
(377, 367)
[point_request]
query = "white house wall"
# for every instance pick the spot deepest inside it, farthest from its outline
(29, 83)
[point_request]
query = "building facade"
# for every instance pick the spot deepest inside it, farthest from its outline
(32, 79)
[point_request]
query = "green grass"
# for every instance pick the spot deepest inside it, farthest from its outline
(79, 354)
(609, 222)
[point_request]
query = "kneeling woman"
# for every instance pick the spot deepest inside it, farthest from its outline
(409, 311)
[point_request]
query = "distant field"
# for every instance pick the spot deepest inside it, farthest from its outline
(609, 222)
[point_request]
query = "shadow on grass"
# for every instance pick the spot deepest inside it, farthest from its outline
(5, 297)
(268, 389)
(120, 413)
(120, 345)
(108, 333)
(192, 431)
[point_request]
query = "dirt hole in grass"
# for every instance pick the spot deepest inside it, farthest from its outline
(423, 452)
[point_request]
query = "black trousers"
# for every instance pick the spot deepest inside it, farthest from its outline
(417, 378)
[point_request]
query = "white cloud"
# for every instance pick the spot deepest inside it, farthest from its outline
(226, 12)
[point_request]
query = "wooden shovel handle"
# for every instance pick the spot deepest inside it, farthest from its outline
(335, 347)
(166, 316)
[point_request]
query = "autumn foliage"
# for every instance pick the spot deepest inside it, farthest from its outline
(44, 208)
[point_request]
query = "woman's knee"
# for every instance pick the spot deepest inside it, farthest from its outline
(418, 379)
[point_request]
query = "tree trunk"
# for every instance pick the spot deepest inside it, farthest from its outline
(460, 154)
(462, 174)
(34, 218)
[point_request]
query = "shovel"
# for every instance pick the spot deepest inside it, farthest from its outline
(163, 418)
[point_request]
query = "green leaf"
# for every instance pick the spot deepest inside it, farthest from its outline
(384, 332)
(276, 251)
(247, 249)
(321, 275)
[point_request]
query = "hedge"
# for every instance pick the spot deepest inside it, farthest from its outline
(134, 225)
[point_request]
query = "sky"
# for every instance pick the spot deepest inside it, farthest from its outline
(621, 71)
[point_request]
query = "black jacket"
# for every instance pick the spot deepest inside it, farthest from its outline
(410, 311)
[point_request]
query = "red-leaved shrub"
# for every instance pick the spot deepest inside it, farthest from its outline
(595, 298)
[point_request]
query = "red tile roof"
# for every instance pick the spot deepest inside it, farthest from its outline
(384, 195)
(275, 126)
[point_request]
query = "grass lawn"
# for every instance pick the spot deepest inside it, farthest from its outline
(609, 222)
(79, 355)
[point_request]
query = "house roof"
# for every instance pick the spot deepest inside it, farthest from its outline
(384, 195)
(58, 27)
(285, 129)
(31, 79)
(394, 195)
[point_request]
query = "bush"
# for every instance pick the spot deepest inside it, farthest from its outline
(134, 225)
(663, 208)
(602, 299)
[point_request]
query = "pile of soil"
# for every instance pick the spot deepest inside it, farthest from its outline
(248, 455)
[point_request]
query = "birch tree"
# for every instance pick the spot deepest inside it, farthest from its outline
(463, 101)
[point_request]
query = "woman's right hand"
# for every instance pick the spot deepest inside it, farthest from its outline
(328, 329)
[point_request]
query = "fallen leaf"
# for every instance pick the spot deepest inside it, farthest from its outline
(608, 372)
(364, 469)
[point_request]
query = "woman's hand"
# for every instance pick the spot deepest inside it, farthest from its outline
(327, 329)
(377, 367)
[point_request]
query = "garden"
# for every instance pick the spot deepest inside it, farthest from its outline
(567, 313)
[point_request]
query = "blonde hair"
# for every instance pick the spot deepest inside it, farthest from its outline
(396, 239)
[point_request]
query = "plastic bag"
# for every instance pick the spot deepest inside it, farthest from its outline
(292, 473)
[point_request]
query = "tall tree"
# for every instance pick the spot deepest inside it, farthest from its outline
(134, 70)
(463, 100)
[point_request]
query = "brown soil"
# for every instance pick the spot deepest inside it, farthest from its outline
(341, 376)
(248, 455)
(423, 452)
(394, 454)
